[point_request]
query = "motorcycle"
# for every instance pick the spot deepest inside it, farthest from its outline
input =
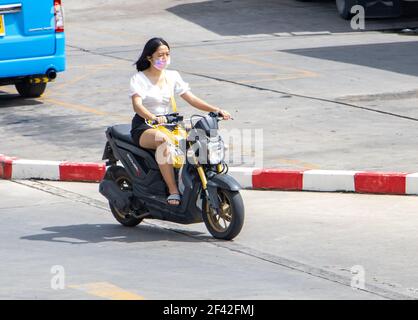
(137, 191)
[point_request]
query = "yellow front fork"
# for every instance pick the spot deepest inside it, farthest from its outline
(219, 167)
(202, 176)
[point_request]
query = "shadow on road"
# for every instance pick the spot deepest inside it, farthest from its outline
(8, 100)
(394, 57)
(99, 233)
(248, 17)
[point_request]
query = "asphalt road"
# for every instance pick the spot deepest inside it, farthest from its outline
(339, 100)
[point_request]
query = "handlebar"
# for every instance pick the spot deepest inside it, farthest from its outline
(171, 118)
(175, 118)
(218, 116)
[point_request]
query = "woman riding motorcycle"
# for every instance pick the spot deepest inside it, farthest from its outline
(152, 90)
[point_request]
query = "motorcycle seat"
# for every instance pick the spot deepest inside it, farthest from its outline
(123, 132)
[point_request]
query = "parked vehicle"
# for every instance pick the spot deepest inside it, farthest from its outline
(32, 44)
(372, 8)
(137, 190)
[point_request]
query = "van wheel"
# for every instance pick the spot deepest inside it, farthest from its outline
(30, 90)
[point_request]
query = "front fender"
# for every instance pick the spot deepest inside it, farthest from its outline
(224, 181)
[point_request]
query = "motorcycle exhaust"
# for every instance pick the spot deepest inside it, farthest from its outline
(121, 200)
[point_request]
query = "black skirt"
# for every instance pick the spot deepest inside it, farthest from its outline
(139, 126)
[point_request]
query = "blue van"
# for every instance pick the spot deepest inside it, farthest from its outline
(32, 44)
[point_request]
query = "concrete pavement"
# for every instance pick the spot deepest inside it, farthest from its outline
(293, 246)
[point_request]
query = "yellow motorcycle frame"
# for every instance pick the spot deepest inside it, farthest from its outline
(174, 137)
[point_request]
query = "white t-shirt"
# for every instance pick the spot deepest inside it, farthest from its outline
(155, 99)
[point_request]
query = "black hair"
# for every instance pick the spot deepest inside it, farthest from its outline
(150, 47)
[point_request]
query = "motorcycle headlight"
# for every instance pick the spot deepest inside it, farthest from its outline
(216, 150)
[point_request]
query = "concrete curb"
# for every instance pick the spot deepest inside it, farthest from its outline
(398, 183)
(20, 169)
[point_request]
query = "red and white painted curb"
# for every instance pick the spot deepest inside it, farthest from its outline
(20, 169)
(400, 183)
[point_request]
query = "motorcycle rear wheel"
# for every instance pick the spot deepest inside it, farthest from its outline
(118, 174)
(226, 224)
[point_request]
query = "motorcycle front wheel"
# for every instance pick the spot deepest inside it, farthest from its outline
(227, 223)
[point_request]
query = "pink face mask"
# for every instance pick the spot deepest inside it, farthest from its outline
(161, 64)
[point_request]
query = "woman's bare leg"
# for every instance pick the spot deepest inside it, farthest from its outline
(153, 139)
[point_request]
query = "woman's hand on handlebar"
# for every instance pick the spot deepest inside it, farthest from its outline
(159, 119)
(224, 114)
